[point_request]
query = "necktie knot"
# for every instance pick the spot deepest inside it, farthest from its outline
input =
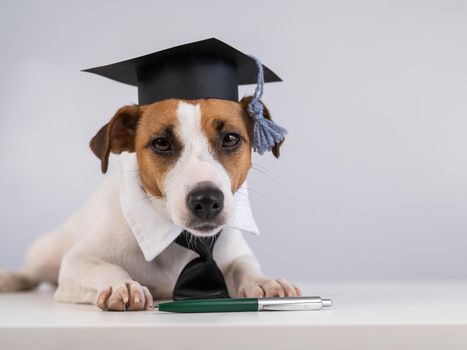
(201, 277)
(201, 245)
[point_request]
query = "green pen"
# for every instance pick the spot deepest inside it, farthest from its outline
(245, 304)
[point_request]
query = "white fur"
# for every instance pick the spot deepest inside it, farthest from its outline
(196, 164)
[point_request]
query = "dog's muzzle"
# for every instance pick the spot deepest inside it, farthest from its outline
(205, 202)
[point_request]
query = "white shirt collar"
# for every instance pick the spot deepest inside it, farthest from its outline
(148, 218)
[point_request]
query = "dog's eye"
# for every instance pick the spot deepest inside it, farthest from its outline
(230, 140)
(161, 144)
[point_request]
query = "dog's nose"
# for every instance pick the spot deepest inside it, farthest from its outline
(205, 202)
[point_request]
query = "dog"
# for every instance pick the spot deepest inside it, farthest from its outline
(191, 159)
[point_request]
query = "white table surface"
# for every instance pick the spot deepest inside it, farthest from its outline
(365, 315)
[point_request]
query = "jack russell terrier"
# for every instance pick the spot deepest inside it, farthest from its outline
(183, 166)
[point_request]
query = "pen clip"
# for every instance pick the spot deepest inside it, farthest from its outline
(293, 304)
(292, 307)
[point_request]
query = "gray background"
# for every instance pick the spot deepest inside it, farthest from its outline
(372, 182)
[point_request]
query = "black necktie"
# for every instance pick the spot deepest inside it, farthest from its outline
(201, 278)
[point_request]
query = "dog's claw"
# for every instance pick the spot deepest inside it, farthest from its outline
(149, 302)
(102, 298)
(129, 296)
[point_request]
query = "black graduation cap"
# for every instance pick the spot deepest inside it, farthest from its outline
(203, 69)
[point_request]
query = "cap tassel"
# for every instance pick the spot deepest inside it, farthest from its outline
(266, 133)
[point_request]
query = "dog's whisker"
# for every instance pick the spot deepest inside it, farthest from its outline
(189, 241)
(138, 199)
(152, 196)
(241, 193)
(253, 191)
(242, 200)
(194, 243)
(263, 172)
(259, 165)
(145, 197)
(268, 176)
(245, 198)
(211, 243)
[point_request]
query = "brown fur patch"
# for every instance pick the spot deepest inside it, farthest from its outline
(116, 136)
(154, 121)
(219, 117)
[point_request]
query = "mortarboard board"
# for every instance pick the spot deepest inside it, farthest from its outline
(203, 69)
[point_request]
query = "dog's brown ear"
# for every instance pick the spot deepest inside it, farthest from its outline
(244, 103)
(117, 135)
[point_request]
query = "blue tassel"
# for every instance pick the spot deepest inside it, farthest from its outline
(266, 133)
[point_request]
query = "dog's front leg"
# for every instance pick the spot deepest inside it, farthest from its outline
(242, 272)
(245, 280)
(87, 279)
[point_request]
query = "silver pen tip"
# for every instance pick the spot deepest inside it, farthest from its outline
(326, 302)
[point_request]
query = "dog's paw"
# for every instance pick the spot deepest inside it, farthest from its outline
(268, 288)
(127, 296)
